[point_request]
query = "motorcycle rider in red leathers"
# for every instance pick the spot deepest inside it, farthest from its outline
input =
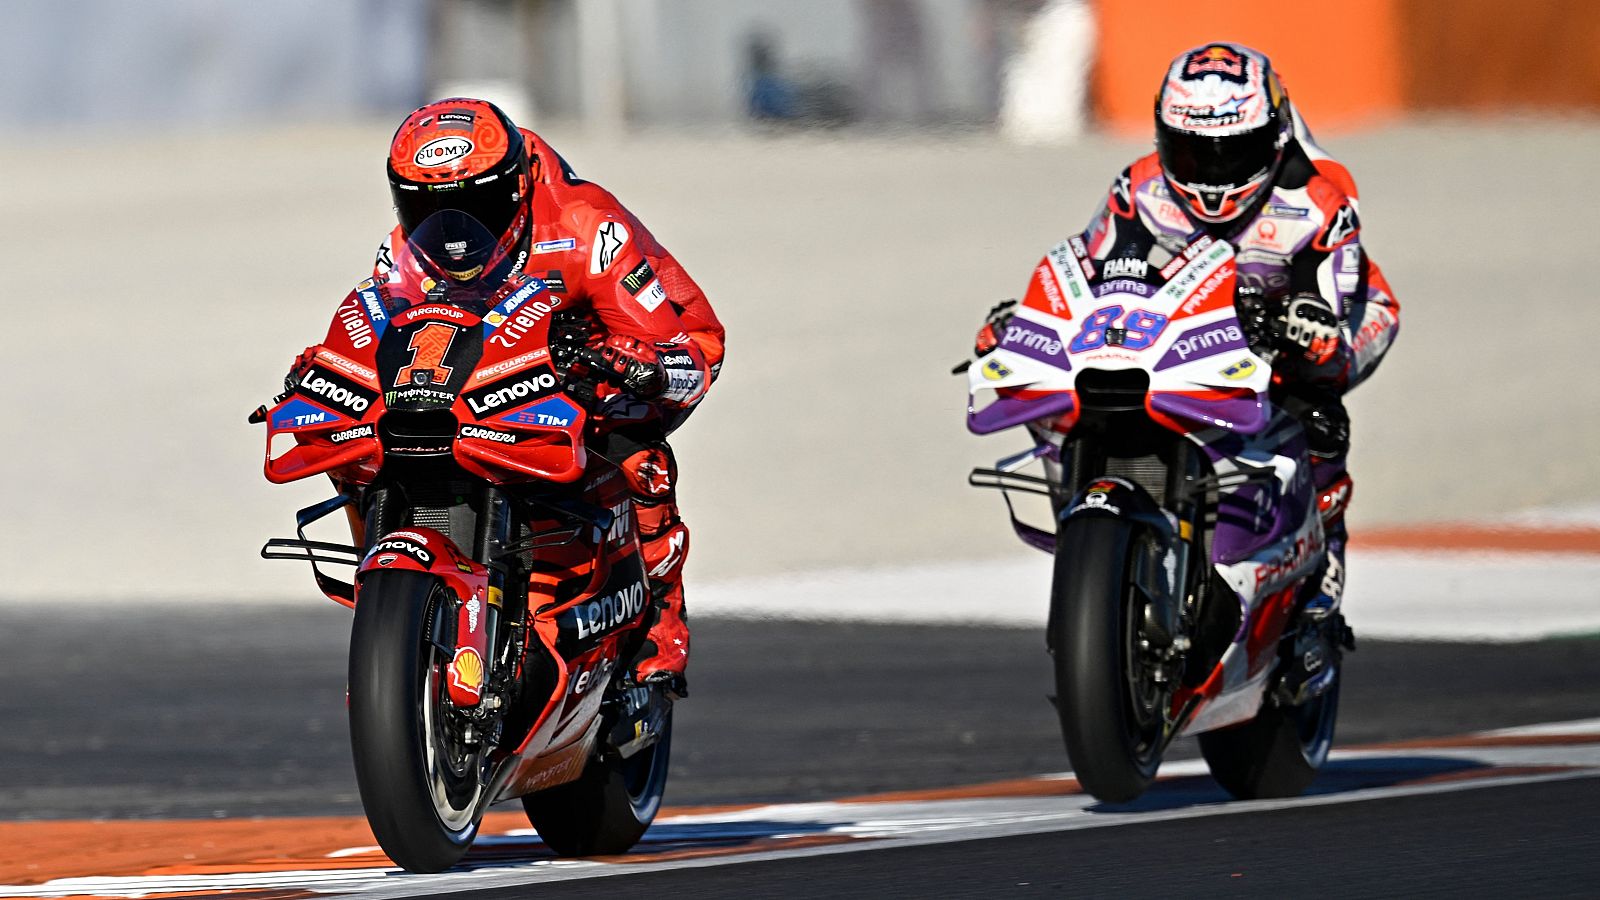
(1235, 161)
(651, 322)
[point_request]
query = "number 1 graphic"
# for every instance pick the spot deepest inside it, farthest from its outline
(428, 346)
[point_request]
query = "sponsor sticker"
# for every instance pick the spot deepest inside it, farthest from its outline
(347, 366)
(335, 391)
(1215, 59)
(1340, 229)
(1240, 370)
(441, 151)
(604, 614)
(512, 392)
(1203, 342)
(653, 297)
(1026, 338)
(994, 370)
(635, 280)
(351, 434)
(394, 544)
(297, 413)
(431, 312)
(508, 365)
(554, 412)
(609, 239)
(466, 670)
(1124, 268)
(517, 315)
(554, 246)
(487, 434)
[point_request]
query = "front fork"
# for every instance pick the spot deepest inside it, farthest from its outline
(1169, 541)
(481, 669)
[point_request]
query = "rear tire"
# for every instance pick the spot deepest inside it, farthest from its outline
(1112, 715)
(608, 808)
(419, 790)
(1276, 754)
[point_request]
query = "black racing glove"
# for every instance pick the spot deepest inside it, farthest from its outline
(1257, 321)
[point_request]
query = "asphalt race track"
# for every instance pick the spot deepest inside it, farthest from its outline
(205, 713)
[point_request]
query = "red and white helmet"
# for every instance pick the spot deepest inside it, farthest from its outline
(1222, 121)
(458, 171)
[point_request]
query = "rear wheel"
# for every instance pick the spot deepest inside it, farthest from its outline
(1276, 754)
(420, 784)
(1112, 708)
(609, 807)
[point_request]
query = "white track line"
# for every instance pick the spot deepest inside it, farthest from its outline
(872, 826)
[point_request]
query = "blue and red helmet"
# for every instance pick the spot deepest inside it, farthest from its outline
(1222, 122)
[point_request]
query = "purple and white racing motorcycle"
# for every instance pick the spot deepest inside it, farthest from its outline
(1186, 528)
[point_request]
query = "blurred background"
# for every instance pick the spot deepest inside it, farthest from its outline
(192, 185)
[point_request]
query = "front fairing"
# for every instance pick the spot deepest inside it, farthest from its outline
(1182, 331)
(468, 377)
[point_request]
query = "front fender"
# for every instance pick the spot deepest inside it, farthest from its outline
(1122, 499)
(1158, 566)
(430, 551)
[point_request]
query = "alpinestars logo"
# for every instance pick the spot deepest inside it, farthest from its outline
(609, 239)
(1341, 228)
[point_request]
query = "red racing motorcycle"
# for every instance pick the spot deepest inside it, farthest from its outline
(499, 591)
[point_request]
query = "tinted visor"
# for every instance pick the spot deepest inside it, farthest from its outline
(454, 243)
(492, 199)
(1223, 162)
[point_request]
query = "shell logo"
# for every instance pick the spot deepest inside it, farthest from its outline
(467, 669)
(441, 151)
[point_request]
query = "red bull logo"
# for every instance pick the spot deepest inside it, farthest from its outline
(1215, 59)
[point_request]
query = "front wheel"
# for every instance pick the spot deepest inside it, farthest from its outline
(609, 807)
(1112, 706)
(1276, 754)
(420, 782)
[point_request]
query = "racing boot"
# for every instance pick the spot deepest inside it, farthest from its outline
(664, 540)
(1320, 634)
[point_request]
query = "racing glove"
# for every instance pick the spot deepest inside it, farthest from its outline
(1256, 319)
(993, 330)
(297, 371)
(1310, 345)
(1311, 328)
(632, 365)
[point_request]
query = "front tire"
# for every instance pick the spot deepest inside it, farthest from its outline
(608, 808)
(1113, 715)
(419, 786)
(1276, 754)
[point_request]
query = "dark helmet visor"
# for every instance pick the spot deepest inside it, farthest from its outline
(493, 199)
(455, 243)
(1224, 162)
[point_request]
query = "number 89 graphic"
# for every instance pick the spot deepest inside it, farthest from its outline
(1140, 330)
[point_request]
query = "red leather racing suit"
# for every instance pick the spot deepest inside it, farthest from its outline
(587, 246)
